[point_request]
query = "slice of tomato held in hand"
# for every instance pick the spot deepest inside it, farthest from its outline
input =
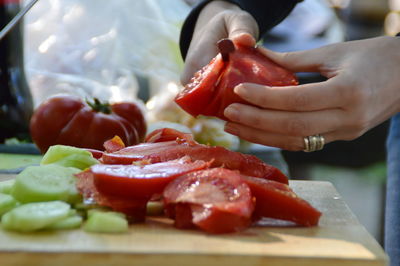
(215, 200)
(70, 121)
(277, 200)
(210, 91)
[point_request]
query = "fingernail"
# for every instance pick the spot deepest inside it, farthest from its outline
(231, 129)
(240, 90)
(231, 112)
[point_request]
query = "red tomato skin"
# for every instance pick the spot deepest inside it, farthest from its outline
(68, 120)
(210, 95)
(220, 202)
(277, 200)
(141, 182)
(48, 120)
(171, 150)
(135, 209)
(134, 115)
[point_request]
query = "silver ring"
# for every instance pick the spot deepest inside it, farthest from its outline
(314, 143)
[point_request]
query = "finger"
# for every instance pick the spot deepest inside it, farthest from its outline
(242, 28)
(286, 142)
(287, 123)
(300, 61)
(200, 52)
(306, 97)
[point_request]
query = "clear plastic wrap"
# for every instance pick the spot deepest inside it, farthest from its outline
(97, 48)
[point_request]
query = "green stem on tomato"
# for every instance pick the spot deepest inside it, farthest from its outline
(98, 106)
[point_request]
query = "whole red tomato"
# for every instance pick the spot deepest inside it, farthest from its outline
(68, 120)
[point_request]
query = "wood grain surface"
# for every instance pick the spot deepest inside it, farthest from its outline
(338, 240)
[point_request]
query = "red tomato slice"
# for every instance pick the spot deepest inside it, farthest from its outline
(114, 144)
(172, 150)
(200, 90)
(135, 209)
(141, 182)
(277, 200)
(95, 153)
(218, 200)
(209, 95)
(168, 134)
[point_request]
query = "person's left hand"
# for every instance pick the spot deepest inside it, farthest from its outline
(362, 91)
(217, 20)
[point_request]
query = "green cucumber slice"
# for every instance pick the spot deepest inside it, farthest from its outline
(35, 216)
(105, 222)
(69, 156)
(7, 202)
(45, 183)
(70, 222)
(6, 186)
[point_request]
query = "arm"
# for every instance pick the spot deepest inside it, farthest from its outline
(211, 21)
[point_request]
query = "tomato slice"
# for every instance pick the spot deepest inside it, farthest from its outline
(141, 182)
(172, 150)
(199, 91)
(114, 144)
(168, 134)
(214, 200)
(208, 94)
(277, 200)
(135, 209)
(95, 153)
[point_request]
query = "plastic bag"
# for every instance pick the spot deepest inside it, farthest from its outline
(97, 48)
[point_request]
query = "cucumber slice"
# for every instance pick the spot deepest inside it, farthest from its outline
(6, 186)
(7, 202)
(69, 156)
(106, 222)
(105, 210)
(44, 183)
(35, 216)
(70, 222)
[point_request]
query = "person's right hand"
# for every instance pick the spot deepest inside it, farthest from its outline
(217, 20)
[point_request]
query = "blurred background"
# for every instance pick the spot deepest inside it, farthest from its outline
(128, 50)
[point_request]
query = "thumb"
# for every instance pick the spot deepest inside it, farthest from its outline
(242, 28)
(300, 61)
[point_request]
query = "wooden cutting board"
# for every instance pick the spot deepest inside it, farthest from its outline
(338, 240)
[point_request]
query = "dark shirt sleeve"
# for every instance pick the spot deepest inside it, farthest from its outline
(267, 13)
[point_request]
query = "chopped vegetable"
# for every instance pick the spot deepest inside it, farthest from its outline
(106, 222)
(7, 202)
(45, 183)
(35, 216)
(68, 156)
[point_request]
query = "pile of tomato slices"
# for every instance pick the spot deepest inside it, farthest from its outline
(209, 188)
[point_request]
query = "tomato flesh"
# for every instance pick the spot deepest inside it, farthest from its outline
(215, 200)
(210, 92)
(141, 182)
(169, 134)
(135, 209)
(277, 200)
(221, 157)
(200, 90)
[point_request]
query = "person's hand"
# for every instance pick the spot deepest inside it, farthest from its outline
(217, 20)
(362, 91)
